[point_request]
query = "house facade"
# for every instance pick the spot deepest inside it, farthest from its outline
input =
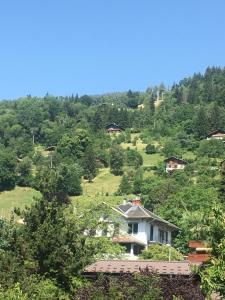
(173, 163)
(113, 128)
(216, 135)
(139, 228)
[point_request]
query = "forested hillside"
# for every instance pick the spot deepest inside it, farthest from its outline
(60, 147)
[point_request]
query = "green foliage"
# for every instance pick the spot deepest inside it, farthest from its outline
(125, 187)
(201, 121)
(89, 163)
(134, 158)
(161, 252)
(116, 160)
(24, 170)
(150, 149)
(73, 147)
(171, 148)
(213, 275)
(14, 293)
(211, 148)
(60, 182)
(7, 170)
(124, 287)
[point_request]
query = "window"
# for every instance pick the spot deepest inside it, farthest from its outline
(151, 232)
(161, 236)
(166, 237)
(137, 249)
(127, 247)
(133, 228)
(105, 232)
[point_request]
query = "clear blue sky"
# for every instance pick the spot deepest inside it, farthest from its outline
(97, 46)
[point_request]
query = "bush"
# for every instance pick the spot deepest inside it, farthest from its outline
(150, 149)
(161, 252)
(134, 158)
(211, 148)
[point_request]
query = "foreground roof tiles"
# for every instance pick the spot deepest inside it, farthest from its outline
(132, 266)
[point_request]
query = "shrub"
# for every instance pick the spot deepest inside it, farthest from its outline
(161, 252)
(150, 149)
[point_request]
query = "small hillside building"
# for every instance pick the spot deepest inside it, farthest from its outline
(139, 228)
(216, 135)
(113, 128)
(174, 163)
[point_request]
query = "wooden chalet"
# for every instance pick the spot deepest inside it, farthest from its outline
(174, 163)
(113, 127)
(216, 134)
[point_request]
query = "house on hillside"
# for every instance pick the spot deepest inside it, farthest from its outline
(139, 227)
(113, 127)
(174, 163)
(216, 134)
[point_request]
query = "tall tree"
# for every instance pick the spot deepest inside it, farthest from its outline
(201, 124)
(116, 160)
(89, 163)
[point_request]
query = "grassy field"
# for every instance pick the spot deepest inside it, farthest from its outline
(104, 183)
(101, 189)
(19, 197)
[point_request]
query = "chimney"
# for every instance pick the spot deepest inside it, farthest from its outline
(136, 201)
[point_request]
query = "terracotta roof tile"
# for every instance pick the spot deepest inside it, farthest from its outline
(131, 266)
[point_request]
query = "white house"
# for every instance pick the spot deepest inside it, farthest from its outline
(173, 163)
(140, 227)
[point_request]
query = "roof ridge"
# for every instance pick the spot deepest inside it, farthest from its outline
(147, 260)
(136, 206)
(161, 219)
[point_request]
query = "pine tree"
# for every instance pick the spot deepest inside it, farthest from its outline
(89, 163)
(201, 124)
(125, 186)
(116, 160)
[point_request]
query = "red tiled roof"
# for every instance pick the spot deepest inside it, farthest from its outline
(133, 266)
(197, 244)
(128, 239)
(198, 257)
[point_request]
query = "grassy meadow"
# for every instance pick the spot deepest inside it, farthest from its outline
(101, 189)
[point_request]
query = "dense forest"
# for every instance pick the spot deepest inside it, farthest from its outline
(54, 144)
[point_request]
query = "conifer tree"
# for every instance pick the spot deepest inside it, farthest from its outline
(89, 163)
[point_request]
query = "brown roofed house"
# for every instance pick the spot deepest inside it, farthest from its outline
(113, 128)
(174, 163)
(216, 135)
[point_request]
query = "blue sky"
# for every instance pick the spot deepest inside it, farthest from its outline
(97, 46)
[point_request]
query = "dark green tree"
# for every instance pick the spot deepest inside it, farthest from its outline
(7, 170)
(125, 187)
(24, 170)
(116, 160)
(150, 149)
(89, 163)
(201, 124)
